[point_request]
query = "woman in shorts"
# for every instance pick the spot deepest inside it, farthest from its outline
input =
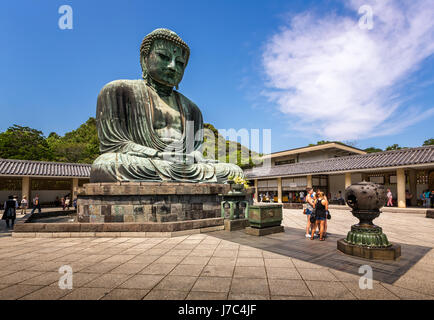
(321, 206)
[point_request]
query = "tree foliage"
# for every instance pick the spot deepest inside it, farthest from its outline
(428, 142)
(24, 143)
(372, 150)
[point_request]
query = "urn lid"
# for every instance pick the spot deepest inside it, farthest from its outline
(365, 196)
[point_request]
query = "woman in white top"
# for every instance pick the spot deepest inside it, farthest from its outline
(24, 205)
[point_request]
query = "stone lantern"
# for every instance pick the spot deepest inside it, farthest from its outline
(365, 239)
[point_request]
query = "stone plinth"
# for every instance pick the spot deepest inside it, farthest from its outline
(127, 202)
(237, 224)
(391, 252)
(430, 214)
(265, 215)
(264, 231)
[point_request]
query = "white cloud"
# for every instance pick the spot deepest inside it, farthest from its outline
(338, 81)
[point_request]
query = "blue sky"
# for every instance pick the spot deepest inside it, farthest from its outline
(301, 68)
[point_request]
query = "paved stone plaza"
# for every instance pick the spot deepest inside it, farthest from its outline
(221, 265)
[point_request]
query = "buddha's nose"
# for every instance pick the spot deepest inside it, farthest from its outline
(171, 65)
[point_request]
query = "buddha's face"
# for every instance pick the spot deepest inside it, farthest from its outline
(166, 62)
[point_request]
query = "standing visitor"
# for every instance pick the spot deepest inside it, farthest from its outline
(74, 203)
(309, 210)
(36, 204)
(302, 196)
(432, 198)
(321, 207)
(427, 196)
(389, 198)
(408, 197)
(67, 203)
(10, 212)
(24, 205)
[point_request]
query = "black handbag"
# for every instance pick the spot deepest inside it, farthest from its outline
(328, 215)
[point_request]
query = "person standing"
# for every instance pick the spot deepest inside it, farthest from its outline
(408, 197)
(67, 203)
(24, 205)
(36, 204)
(320, 205)
(427, 196)
(309, 210)
(10, 212)
(389, 198)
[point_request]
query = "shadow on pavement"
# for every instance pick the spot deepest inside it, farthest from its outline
(293, 244)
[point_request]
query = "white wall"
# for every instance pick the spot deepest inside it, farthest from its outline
(336, 184)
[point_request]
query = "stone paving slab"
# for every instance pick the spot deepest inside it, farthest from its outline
(220, 265)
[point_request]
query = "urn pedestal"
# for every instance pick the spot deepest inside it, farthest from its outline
(366, 240)
(265, 219)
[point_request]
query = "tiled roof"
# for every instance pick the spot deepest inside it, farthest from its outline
(43, 169)
(395, 158)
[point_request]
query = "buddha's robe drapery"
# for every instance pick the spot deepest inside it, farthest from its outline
(129, 143)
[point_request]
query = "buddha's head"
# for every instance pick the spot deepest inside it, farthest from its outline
(163, 57)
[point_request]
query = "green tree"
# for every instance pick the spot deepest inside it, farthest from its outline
(372, 150)
(319, 142)
(428, 142)
(394, 147)
(24, 143)
(78, 146)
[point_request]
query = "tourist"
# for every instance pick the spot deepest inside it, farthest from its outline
(24, 205)
(309, 210)
(36, 204)
(67, 203)
(321, 208)
(301, 196)
(431, 196)
(62, 201)
(389, 198)
(74, 203)
(10, 211)
(341, 198)
(427, 196)
(408, 197)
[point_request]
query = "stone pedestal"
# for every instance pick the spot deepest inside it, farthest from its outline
(237, 224)
(129, 202)
(264, 231)
(391, 252)
(265, 219)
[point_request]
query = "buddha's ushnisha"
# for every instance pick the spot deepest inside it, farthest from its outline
(147, 130)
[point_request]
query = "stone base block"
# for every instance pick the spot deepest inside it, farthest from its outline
(237, 224)
(390, 253)
(264, 231)
(430, 214)
(141, 202)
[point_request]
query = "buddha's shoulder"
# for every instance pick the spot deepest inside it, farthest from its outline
(188, 102)
(121, 85)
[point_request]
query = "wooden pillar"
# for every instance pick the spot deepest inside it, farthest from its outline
(25, 188)
(74, 188)
(413, 186)
(279, 190)
(400, 186)
(347, 179)
(256, 190)
(309, 181)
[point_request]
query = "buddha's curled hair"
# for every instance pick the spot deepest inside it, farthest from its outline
(164, 34)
